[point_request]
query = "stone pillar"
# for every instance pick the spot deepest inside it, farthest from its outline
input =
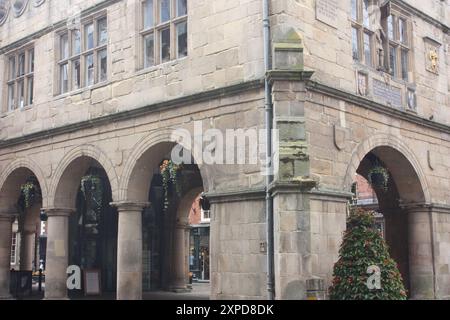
(57, 253)
(420, 254)
(5, 253)
(179, 261)
(129, 250)
(27, 250)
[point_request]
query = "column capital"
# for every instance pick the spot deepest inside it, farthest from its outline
(416, 207)
(130, 205)
(59, 212)
(4, 216)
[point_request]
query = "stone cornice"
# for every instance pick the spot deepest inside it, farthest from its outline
(236, 195)
(60, 24)
(126, 115)
(288, 75)
(376, 107)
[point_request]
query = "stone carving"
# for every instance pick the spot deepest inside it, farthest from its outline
(434, 59)
(362, 84)
(4, 10)
(412, 104)
(19, 7)
(339, 137)
(380, 35)
(37, 3)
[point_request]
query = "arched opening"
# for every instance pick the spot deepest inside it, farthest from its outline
(22, 243)
(172, 191)
(387, 183)
(92, 224)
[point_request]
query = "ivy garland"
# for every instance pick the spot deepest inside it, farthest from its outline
(170, 173)
(30, 193)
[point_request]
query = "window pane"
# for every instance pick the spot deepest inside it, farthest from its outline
(164, 10)
(355, 10)
(182, 39)
(367, 50)
(102, 62)
(30, 91)
(21, 93)
(89, 34)
(181, 8)
(76, 74)
(89, 70)
(11, 105)
(366, 19)
(102, 31)
(393, 61)
(404, 58)
(21, 64)
(31, 60)
(402, 30)
(391, 27)
(12, 68)
(76, 42)
(165, 45)
(355, 46)
(64, 81)
(64, 43)
(149, 51)
(148, 14)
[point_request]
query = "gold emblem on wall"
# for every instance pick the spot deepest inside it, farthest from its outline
(432, 55)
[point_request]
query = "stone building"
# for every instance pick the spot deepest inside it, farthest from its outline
(95, 88)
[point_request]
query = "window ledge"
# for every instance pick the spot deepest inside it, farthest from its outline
(142, 71)
(81, 90)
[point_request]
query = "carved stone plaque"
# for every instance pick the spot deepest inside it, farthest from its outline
(387, 94)
(326, 11)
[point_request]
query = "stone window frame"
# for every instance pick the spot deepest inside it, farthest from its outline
(16, 77)
(362, 29)
(399, 45)
(81, 56)
(156, 28)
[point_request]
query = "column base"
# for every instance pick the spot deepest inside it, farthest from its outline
(180, 289)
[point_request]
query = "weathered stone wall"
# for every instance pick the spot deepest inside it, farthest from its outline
(224, 48)
(328, 51)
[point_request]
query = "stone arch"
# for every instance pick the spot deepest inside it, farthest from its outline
(389, 141)
(81, 154)
(158, 141)
(13, 176)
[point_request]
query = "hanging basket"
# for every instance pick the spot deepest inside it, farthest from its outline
(379, 178)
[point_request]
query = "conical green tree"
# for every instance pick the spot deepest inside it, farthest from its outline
(364, 247)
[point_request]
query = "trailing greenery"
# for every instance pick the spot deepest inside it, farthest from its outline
(363, 246)
(171, 177)
(378, 177)
(30, 193)
(92, 186)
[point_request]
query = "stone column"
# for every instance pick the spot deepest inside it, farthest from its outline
(179, 260)
(57, 253)
(420, 254)
(5, 253)
(129, 250)
(27, 250)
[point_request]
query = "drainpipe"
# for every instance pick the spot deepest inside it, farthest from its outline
(269, 160)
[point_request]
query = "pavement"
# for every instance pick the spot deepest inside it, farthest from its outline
(200, 291)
